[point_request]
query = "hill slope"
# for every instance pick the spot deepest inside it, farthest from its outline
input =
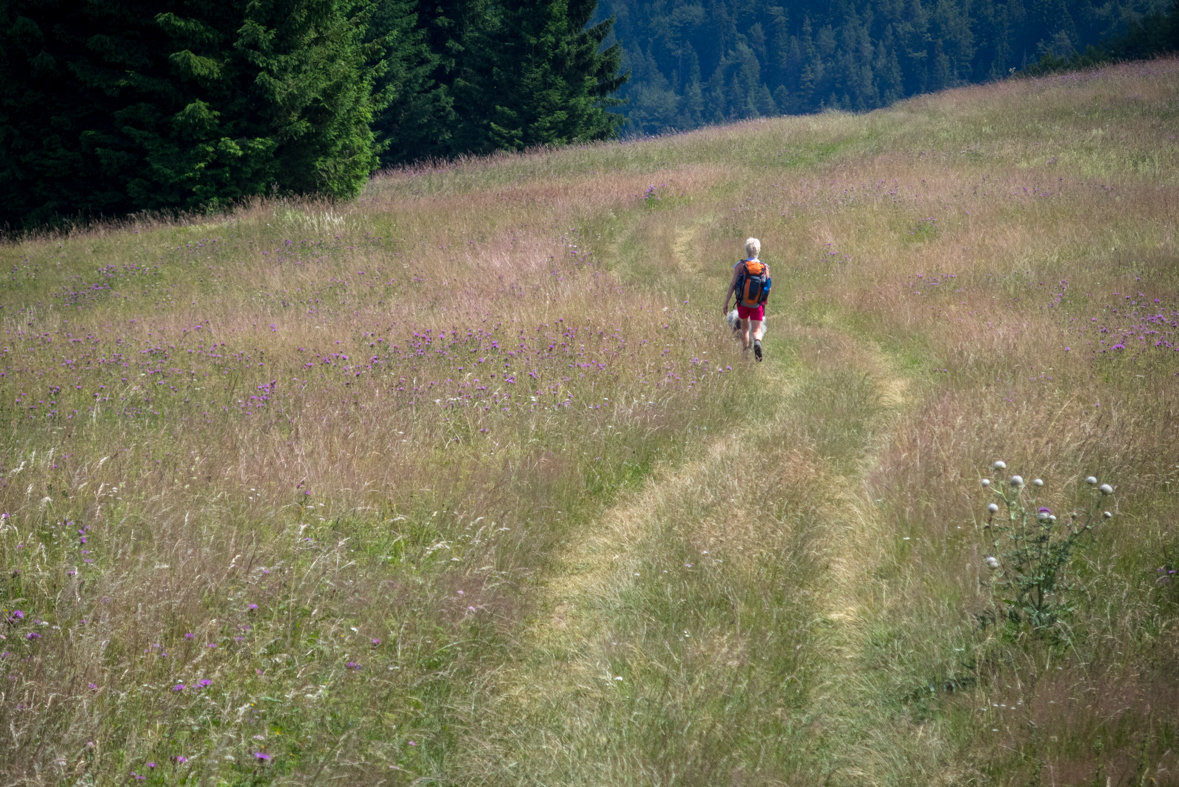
(465, 482)
(696, 63)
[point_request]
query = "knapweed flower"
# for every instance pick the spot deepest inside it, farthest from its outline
(261, 755)
(189, 635)
(993, 508)
(179, 759)
(1106, 489)
(1000, 464)
(17, 615)
(32, 635)
(178, 687)
(992, 562)
(1017, 480)
(205, 683)
(92, 686)
(251, 607)
(1091, 481)
(151, 765)
(376, 642)
(352, 665)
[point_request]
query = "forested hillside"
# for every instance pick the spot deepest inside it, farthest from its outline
(695, 62)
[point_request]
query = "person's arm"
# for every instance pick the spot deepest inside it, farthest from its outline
(728, 292)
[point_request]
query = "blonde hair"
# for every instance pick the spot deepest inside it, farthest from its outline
(752, 248)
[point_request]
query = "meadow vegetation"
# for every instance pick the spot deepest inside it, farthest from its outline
(464, 482)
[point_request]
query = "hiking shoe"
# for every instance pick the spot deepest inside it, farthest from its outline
(757, 350)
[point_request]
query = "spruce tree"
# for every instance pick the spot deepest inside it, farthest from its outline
(126, 105)
(547, 80)
(418, 119)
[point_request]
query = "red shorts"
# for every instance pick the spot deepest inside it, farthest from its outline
(758, 313)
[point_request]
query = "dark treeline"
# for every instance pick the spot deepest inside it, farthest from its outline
(108, 107)
(1144, 38)
(694, 62)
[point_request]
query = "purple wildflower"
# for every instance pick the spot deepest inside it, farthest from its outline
(178, 687)
(261, 755)
(205, 683)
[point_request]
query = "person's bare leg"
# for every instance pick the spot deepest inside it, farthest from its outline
(759, 330)
(745, 333)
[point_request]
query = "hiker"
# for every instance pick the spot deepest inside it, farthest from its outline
(751, 286)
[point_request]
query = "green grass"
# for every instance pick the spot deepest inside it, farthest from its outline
(508, 507)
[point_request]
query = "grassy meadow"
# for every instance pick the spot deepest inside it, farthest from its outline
(466, 482)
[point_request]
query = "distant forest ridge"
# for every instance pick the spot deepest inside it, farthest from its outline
(694, 62)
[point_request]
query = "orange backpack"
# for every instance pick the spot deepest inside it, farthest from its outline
(753, 284)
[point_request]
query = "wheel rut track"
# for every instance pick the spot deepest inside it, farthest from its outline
(544, 698)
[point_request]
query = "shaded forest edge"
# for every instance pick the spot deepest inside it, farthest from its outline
(136, 105)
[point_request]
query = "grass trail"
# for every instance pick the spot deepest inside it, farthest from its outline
(851, 596)
(564, 664)
(556, 703)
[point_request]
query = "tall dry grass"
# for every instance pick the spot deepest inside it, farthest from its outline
(358, 448)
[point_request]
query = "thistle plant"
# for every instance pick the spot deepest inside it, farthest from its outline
(1032, 549)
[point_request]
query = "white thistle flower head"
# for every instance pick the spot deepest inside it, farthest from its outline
(1037, 482)
(1000, 465)
(993, 508)
(1052, 517)
(1043, 516)
(1106, 515)
(1017, 480)
(992, 562)
(1091, 481)
(1106, 489)
(985, 483)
